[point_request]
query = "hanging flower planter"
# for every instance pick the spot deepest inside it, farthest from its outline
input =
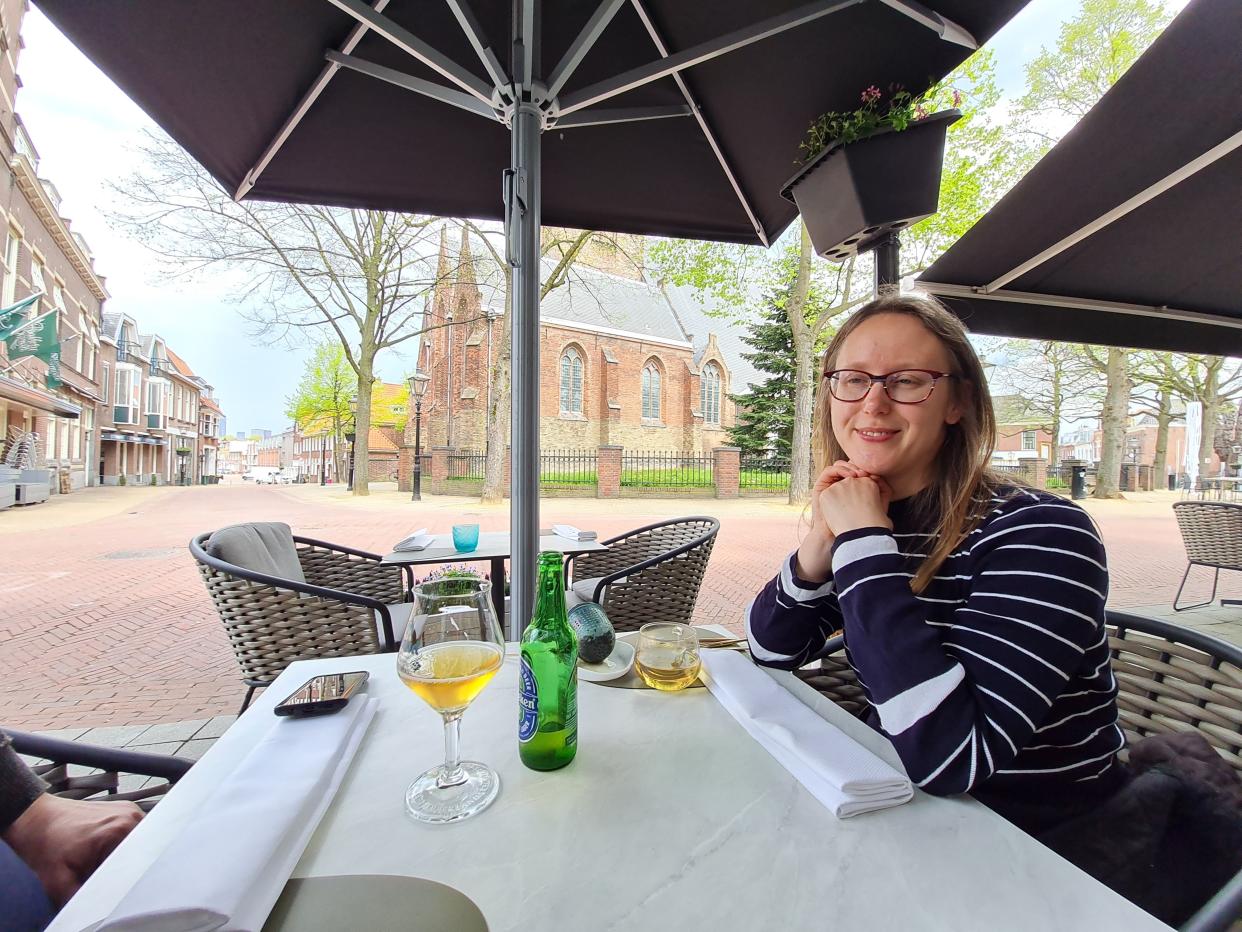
(853, 194)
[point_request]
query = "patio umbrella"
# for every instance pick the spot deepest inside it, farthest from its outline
(648, 116)
(1129, 231)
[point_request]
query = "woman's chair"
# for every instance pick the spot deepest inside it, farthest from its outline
(649, 574)
(1169, 679)
(284, 598)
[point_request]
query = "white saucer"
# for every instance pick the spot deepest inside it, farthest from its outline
(615, 665)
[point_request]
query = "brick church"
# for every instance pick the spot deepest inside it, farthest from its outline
(624, 360)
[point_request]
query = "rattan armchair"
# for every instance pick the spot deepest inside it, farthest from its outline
(348, 602)
(1212, 535)
(57, 755)
(649, 574)
(1169, 679)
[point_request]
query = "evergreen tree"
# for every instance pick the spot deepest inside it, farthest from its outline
(765, 413)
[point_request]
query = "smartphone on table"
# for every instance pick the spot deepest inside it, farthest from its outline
(323, 695)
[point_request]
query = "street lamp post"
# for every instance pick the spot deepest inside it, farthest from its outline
(351, 437)
(418, 388)
(323, 459)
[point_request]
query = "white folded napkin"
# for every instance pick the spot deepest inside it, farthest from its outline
(837, 770)
(573, 533)
(419, 540)
(227, 867)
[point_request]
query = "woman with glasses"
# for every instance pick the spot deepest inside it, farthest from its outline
(972, 609)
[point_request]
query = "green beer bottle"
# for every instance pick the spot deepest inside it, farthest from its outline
(548, 688)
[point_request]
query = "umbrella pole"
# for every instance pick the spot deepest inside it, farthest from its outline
(887, 264)
(524, 197)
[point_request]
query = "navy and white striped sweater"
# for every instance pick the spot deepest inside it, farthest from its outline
(996, 680)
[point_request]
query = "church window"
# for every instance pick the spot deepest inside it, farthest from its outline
(651, 392)
(571, 381)
(709, 394)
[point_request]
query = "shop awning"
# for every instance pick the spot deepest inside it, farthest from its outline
(21, 393)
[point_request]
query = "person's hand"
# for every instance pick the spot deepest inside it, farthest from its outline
(815, 553)
(64, 840)
(856, 502)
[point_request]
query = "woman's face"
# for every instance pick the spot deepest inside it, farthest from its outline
(896, 441)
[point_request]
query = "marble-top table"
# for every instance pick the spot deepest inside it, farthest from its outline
(671, 817)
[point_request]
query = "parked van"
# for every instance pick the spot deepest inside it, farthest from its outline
(264, 475)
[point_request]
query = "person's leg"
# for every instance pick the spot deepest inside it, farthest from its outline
(26, 907)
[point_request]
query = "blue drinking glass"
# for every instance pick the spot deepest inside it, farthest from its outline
(465, 537)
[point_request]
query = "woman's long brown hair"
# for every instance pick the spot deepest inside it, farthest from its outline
(951, 505)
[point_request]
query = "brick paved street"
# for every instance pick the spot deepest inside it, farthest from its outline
(105, 621)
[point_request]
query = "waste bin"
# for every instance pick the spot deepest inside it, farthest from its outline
(1078, 481)
(1172, 482)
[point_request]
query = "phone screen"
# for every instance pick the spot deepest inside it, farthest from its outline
(325, 689)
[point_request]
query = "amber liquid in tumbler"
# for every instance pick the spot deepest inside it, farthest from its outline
(668, 669)
(449, 675)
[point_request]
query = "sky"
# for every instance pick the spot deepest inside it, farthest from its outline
(85, 130)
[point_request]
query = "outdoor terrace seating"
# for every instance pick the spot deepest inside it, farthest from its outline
(1212, 535)
(284, 598)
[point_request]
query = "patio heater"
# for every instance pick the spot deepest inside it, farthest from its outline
(418, 388)
(351, 437)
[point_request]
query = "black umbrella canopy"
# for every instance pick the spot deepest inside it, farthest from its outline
(223, 78)
(1129, 231)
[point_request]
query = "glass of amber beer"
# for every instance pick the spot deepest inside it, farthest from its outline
(667, 657)
(452, 648)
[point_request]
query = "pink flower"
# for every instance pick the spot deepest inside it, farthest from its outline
(957, 98)
(871, 95)
(920, 113)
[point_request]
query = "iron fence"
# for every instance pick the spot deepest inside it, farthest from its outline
(463, 464)
(666, 471)
(1013, 468)
(764, 472)
(567, 469)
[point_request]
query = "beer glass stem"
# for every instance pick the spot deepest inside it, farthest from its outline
(452, 774)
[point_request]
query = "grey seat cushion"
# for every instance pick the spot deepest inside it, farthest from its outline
(584, 589)
(263, 547)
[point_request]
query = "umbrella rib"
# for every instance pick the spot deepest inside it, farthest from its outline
(941, 25)
(427, 88)
(697, 112)
(474, 34)
(1218, 151)
(606, 115)
(308, 99)
(704, 51)
(409, 43)
(582, 44)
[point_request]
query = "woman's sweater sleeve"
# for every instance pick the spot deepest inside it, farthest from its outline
(960, 698)
(789, 621)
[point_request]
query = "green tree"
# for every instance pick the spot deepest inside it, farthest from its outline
(765, 412)
(1063, 82)
(320, 404)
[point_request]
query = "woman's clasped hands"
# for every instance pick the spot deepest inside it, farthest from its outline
(845, 497)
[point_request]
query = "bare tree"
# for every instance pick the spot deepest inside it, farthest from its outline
(1054, 381)
(358, 274)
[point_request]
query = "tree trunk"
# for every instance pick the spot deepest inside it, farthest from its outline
(1211, 412)
(1058, 402)
(1164, 414)
(1113, 425)
(498, 419)
(804, 379)
(362, 425)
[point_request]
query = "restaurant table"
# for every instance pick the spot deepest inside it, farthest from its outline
(671, 817)
(495, 547)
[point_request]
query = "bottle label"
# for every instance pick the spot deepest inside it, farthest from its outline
(571, 713)
(528, 703)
